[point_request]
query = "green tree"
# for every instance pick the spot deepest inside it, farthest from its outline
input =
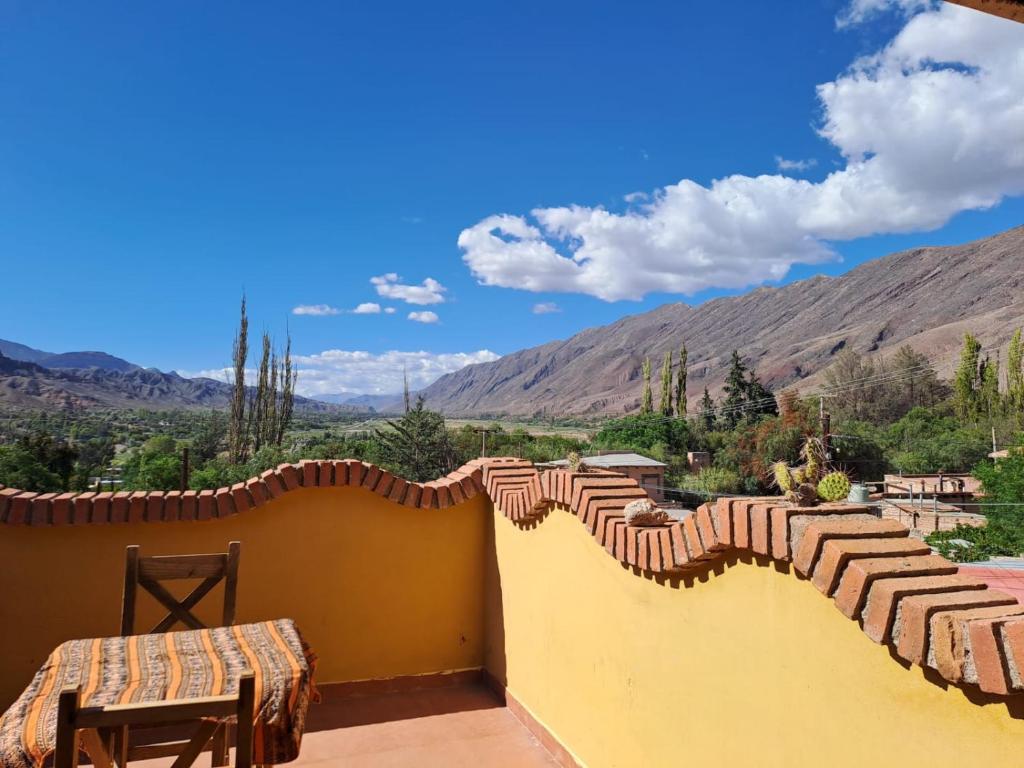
(21, 468)
(645, 433)
(707, 412)
(989, 398)
(417, 445)
(666, 385)
(967, 380)
(647, 401)
(735, 391)
(681, 383)
(1015, 377)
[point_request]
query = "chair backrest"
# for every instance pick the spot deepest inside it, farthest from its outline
(148, 572)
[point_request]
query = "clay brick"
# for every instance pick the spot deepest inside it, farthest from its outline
(273, 482)
(340, 473)
(372, 476)
(289, 476)
(241, 498)
(307, 471)
(384, 483)
(208, 504)
(632, 544)
(398, 489)
(741, 523)
(444, 498)
(949, 648)
(643, 549)
(455, 489)
(119, 507)
(101, 508)
(40, 511)
(6, 494)
(602, 522)
(723, 520)
(154, 510)
(470, 487)
(413, 495)
(837, 553)
(20, 511)
(356, 471)
(593, 499)
(325, 474)
(790, 522)
(137, 507)
(224, 504)
(760, 525)
(428, 497)
(172, 506)
(680, 553)
(693, 542)
(591, 483)
(82, 508)
(1013, 643)
(884, 595)
(991, 667)
(818, 533)
(259, 491)
(190, 504)
(914, 614)
(60, 508)
(706, 527)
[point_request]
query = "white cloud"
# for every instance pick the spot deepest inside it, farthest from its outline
(316, 310)
(336, 371)
(859, 11)
(389, 310)
(429, 292)
(424, 317)
(928, 127)
(546, 308)
(635, 197)
(794, 165)
(367, 308)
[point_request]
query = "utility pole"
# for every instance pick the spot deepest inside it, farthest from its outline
(184, 469)
(483, 431)
(826, 433)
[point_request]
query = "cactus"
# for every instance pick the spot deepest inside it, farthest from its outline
(835, 486)
(575, 461)
(783, 479)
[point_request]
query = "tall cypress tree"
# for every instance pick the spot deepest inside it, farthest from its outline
(1015, 376)
(647, 401)
(681, 383)
(707, 411)
(666, 385)
(967, 380)
(736, 387)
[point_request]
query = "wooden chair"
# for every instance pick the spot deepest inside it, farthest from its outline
(100, 726)
(148, 572)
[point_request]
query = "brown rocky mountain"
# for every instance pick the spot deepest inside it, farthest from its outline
(924, 297)
(25, 384)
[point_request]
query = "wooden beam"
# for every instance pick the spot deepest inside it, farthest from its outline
(1008, 9)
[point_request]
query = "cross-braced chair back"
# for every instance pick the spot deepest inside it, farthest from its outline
(148, 572)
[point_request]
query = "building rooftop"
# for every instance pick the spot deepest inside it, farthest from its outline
(607, 460)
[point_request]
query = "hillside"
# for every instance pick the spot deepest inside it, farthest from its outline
(925, 297)
(101, 360)
(31, 385)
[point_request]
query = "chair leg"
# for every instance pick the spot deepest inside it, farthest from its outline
(219, 747)
(119, 743)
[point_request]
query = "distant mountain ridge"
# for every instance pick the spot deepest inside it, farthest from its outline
(27, 384)
(924, 297)
(101, 360)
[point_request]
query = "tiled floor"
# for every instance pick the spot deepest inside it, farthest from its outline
(447, 727)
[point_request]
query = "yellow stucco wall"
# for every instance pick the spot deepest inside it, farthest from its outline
(378, 590)
(747, 667)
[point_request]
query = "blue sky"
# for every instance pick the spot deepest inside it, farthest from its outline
(158, 159)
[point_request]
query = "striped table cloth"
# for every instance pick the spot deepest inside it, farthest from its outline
(173, 665)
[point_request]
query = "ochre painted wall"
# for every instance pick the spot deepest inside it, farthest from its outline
(748, 666)
(377, 589)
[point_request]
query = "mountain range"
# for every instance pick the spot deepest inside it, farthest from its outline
(924, 297)
(31, 378)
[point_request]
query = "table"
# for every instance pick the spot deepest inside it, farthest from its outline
(175, 666)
